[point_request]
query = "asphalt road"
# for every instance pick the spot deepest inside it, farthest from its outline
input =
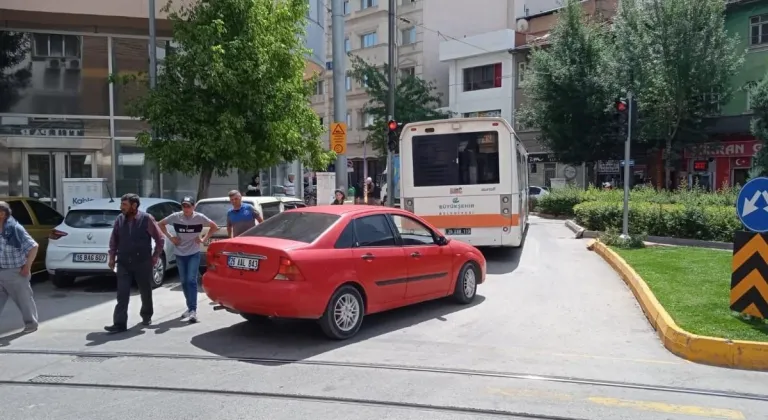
(554, 332)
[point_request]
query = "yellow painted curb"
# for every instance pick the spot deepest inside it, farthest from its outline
(738, 354)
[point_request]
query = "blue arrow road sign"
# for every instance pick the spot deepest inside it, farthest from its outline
(752, 205)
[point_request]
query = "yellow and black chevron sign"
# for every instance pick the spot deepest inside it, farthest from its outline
(749, 274)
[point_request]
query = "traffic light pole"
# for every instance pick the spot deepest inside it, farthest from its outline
(391, 101)
(339, 85)
(627, 145)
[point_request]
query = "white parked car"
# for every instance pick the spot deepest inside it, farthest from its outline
(79, 246)
(537, 192)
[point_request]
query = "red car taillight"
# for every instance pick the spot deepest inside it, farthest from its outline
(288, 271)
(56, 234)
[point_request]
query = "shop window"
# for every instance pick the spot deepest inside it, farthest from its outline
(130, 57)
(134, 172)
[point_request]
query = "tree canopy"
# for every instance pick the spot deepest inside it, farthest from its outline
(233, 94)
(570, 90)
(759, 101)
(416, 99)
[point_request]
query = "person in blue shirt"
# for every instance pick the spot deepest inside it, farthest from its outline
(17, 253)
(242, 216)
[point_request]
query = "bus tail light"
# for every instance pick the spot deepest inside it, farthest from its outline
(506, 204)
(408, 204)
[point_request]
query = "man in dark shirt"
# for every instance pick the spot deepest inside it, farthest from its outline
(130, 247)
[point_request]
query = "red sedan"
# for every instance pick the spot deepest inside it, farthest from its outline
(336, 264)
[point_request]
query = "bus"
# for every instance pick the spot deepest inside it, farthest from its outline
(468, 177)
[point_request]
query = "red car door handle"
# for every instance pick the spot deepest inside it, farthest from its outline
(368, 257)
(415, 254)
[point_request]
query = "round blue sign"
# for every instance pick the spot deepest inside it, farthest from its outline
(752, 205)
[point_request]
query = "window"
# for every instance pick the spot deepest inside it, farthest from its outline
(748, 88)
(550, 171)
(347, 237)
(157, 211)
(373, 231)
(294, 226)
(347, 8)
(521, 67)
(534, 190)
(364, 82)
(368, 120)
(349, 120)
(369, 40)
(412, 232)
(322, 121)
(758, 30)
(20, 213)
(320, 12)
(215, 210)
(482, 77)
(270, 209)
(408, 36)
(456, 159)
(407, 71)
(90, 219)
(45, 215)
(365, 4)
(347, 45)
(711, 103)
(348, 82)
(320, 87)
(64, 46)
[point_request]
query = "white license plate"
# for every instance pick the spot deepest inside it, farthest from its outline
(243, 263)
(458, 231)
(210, 241)
(90, 258)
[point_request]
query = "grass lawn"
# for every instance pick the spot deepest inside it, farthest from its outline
(693, 285)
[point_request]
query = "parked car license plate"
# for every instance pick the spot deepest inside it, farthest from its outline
(243, 263)
(458, 231)
(90, 258)
(211, 240)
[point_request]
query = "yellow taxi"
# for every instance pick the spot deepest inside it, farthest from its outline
(216, 209)
(38, 219)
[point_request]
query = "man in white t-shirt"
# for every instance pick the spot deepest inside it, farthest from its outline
(290, 187)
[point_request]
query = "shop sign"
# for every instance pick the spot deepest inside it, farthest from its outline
(726, 149)
(51, 132)
(542, 158)
(608, 166)
(700, 165)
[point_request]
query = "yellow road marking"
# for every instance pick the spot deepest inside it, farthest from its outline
(690, 410)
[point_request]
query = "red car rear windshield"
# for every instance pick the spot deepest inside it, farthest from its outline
(294, 226)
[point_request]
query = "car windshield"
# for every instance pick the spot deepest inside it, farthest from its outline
(215, 210)
(91, 218)
(294, 226)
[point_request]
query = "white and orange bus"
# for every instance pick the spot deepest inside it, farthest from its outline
(468, 177)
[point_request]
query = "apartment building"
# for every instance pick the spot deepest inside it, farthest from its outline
(421, 26)
(67, 120)
(535, 19)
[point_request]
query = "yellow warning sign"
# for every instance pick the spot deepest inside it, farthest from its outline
(339, 138)
(749, 277)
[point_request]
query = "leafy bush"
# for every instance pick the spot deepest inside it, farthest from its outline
(613, 238)
(560, 202)
(712, 223)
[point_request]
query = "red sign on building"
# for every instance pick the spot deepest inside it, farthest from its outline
(744, 148)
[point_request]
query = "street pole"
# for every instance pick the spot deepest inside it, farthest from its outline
(392, 87)
(339, 84)
(625, 221)
(152, 46)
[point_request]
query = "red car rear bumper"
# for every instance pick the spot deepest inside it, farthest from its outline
(281, 299)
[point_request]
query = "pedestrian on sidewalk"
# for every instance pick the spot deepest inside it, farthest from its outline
(188, 225)
(339, 197)
(130, 247)
(17, 253)
(242, 216)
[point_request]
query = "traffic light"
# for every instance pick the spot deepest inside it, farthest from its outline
(393, 134)
(621, 117)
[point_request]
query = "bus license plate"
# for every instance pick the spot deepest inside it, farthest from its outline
(458, 231)
(89, 258)
(243, 263)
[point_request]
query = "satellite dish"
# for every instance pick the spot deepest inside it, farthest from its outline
(522, 25)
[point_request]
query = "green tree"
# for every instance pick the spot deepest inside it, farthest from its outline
(677, 58)
(14, 48)
(759, 101)
(571, 88)
(415, 100)
(233, 95)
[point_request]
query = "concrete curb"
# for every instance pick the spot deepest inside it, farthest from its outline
(662, 240)
(737, 354)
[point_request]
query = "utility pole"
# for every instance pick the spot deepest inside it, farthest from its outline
(152, 46)
(339, 84)
(627, 146)
(391, 102)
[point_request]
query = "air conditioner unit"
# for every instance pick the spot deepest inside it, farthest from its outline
(53, 63)
(73, 64)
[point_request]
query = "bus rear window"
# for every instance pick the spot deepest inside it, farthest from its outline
(456, 159)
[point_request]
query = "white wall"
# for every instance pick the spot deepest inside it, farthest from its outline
(458, 19)
(485, 49)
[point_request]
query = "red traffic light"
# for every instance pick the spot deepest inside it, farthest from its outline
(621, 106)
(392, 125)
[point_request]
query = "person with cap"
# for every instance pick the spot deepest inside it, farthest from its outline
(130, 247)
(17, 253)
(339, 197)
(188, 226)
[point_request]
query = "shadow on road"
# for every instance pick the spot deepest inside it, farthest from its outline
(504, 260)
(299, 340)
